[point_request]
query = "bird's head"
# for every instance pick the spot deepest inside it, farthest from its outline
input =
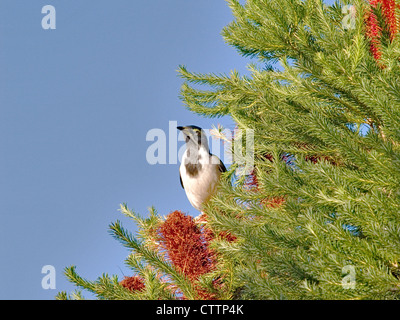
(194, 136)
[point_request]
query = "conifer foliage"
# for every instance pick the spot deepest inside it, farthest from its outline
(319, 216)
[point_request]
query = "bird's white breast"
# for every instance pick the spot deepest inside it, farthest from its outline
(200, 187)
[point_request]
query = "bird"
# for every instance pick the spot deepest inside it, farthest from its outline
(199, 171)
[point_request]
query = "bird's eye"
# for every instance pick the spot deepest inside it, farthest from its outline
(187, 138)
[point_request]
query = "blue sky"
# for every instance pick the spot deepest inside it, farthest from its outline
(76, 104)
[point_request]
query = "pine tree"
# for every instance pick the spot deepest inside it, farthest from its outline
(326, 141)
(318, 217)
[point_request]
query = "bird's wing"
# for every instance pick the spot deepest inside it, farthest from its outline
(180, 178)
(221, 166)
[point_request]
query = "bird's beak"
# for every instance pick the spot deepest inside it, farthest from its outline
(180, 128)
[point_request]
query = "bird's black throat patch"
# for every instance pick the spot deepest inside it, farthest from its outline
(193, 169)
(192, 163)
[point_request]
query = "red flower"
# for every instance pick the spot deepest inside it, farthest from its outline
(133, 283)
(388, 8)
(374, 30)
(185, 242)
(186, 246)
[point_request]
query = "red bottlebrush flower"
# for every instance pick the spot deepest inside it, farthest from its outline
(374, 30)
(227, 236)
(388, 8)
(133, 283)
(185, 245)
